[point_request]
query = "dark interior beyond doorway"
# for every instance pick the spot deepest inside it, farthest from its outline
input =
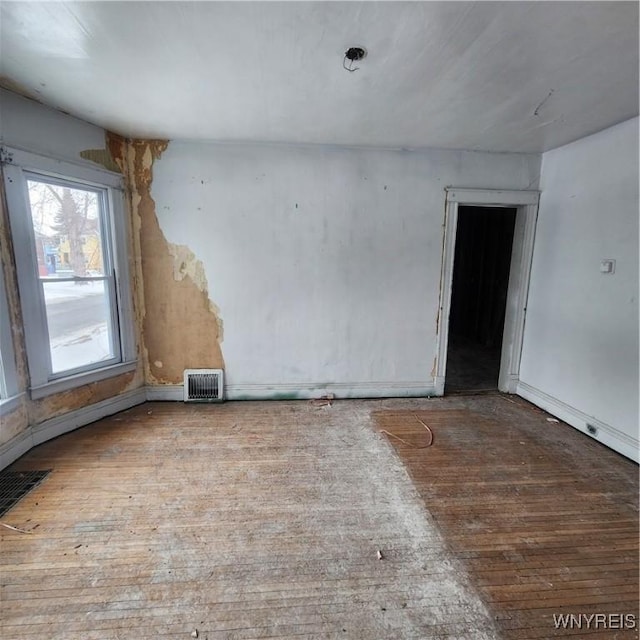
(484, 238)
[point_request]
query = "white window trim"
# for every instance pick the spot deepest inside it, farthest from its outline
(7, 405)
(16, 162)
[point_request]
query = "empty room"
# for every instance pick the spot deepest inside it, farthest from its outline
(319, 320)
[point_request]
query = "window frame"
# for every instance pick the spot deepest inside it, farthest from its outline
(108, 278)
(18, 167)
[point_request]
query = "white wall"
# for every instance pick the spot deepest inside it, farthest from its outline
(580, 355)
(325, 262)
(28, 125)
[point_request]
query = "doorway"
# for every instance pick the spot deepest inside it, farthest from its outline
(482, 261)
(525, 204)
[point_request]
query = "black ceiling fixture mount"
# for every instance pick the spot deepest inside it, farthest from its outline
(353, 54)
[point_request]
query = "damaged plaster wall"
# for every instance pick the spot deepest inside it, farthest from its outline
(580, 352)
(17, 420)
(31, 126)
(325, 261)
(181, 326)
(58, 404)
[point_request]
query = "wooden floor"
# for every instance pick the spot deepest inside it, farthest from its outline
(544, 519)
(264, 520)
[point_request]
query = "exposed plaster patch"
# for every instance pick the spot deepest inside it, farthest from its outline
(101, 157)
(180, 325)
(185, 264)
(14, 423)
(61, 403)
(117, 147)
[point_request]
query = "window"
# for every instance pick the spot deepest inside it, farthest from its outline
(77, 285)
(69, 237)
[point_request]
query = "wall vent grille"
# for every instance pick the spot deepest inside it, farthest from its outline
(203, 385)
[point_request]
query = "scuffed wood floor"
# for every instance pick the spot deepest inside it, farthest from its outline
(263, 520)
(242, 520)
(544, 518)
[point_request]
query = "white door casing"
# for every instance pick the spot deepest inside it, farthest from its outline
(526, 205)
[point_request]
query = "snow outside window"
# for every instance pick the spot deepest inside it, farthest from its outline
(69, 238)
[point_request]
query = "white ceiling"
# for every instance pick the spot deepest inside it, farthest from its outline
(500, 76)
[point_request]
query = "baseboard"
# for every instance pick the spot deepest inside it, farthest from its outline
(37, 434)
(305, 391)
(16, 447)
(337, 390)
(172, 392)
(605, 433)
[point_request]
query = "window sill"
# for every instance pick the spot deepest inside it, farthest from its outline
(64, 384)
(7, 405)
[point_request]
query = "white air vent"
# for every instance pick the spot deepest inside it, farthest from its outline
(203, 385)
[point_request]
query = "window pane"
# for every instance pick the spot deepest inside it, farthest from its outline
(69, 244)
(66, 225)
(79, 323)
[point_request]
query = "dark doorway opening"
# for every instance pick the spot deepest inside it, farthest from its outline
(482, 261)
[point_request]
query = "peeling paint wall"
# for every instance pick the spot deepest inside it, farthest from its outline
(15, 422)
(325, 262)
(60, 403)
(102, 157)
(181, 326)
(31, 126)
(13, 298)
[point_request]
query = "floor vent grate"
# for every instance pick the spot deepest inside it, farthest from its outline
(203, 385)
(14, 485)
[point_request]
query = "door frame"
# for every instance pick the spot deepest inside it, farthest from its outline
(526, 205)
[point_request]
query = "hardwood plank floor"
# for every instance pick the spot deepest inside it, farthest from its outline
(263, 520)
(544, 519)
(243, 520)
